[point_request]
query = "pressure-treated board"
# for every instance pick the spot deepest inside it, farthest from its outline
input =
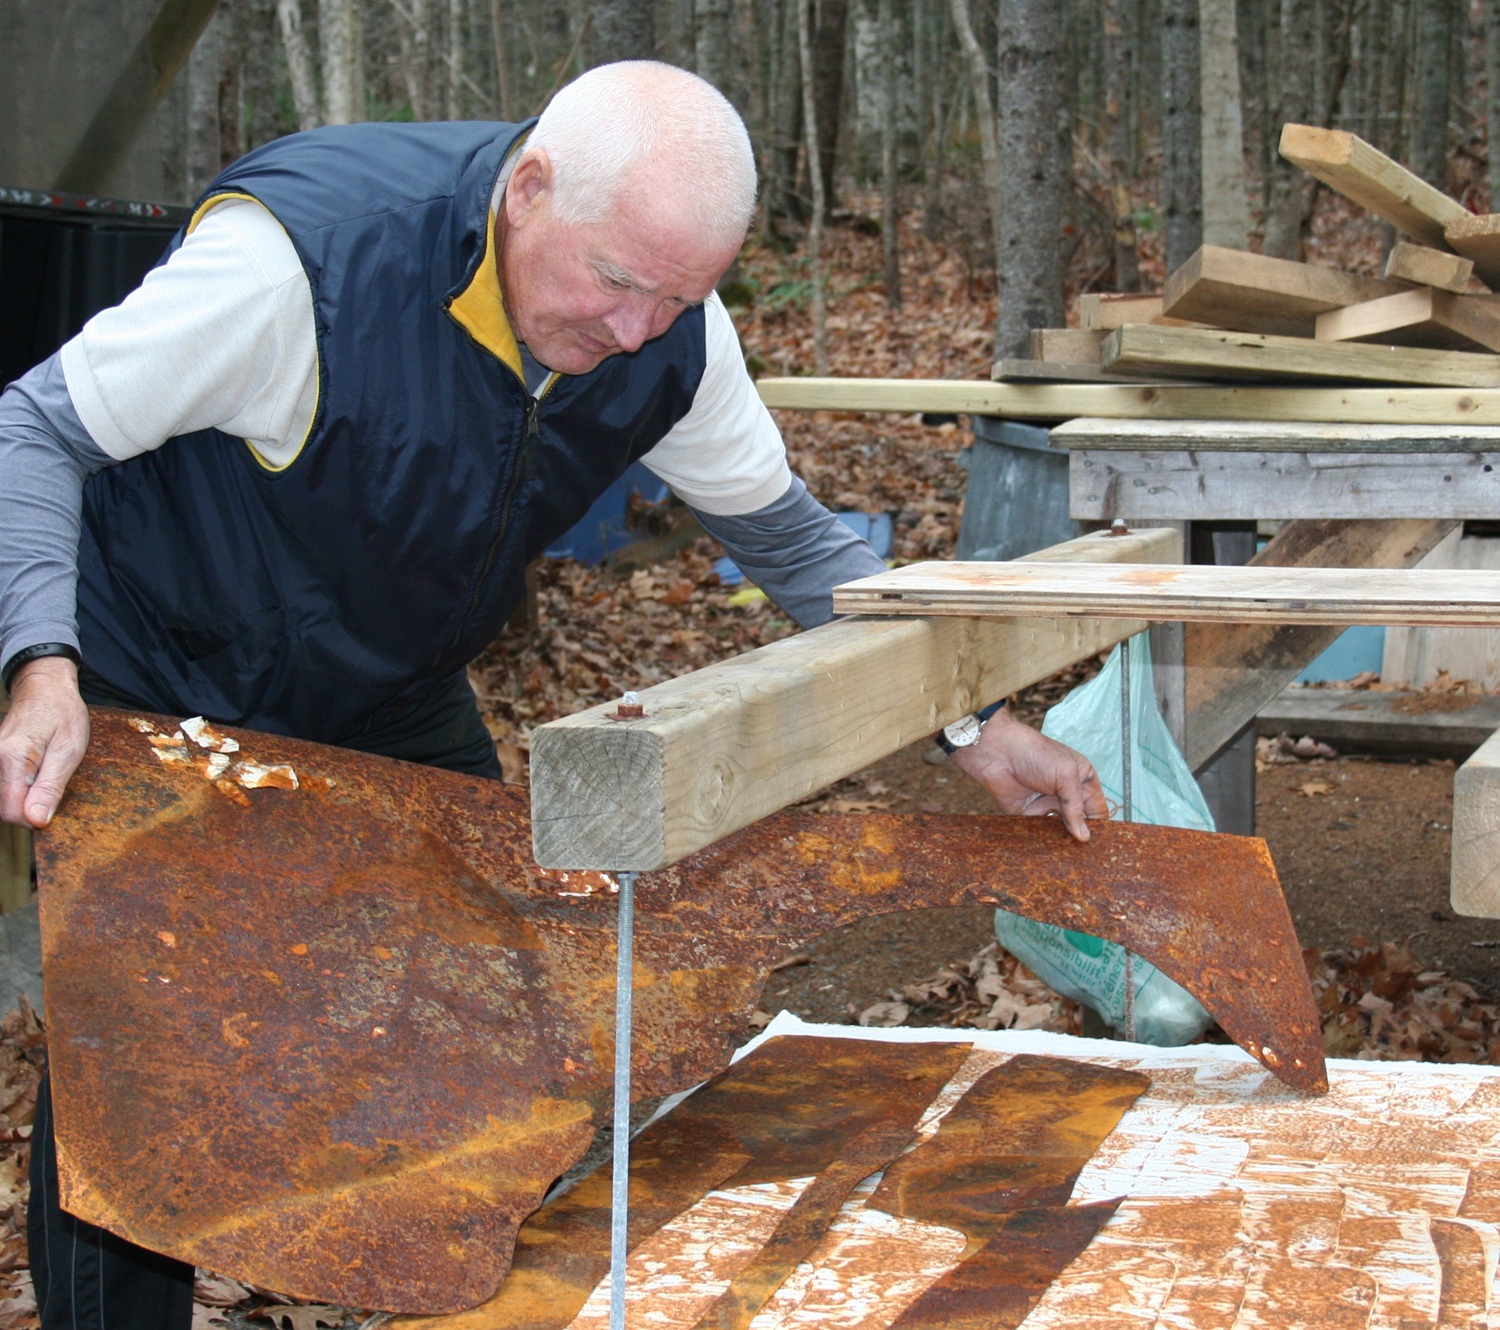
(1235, 669)
(1272, 436)
(727, 745)
(1102, 310)
(1069, 346)
(1061, 401)
(1477, 238)
(1225, 486)
(1474, 882)
(1230, 288)
(1421, 317)
(1188, 592)
(1057, 371)
(1428, 267)
(1212, 353)
(1348, 164)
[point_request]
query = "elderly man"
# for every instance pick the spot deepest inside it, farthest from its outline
(293, 481)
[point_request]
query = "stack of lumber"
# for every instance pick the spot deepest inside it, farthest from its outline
(1229, 315)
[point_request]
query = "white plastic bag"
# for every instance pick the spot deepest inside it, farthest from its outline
(1164, 793)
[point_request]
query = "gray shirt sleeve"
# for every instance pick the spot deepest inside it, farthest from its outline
(45, 456)
(796, 551)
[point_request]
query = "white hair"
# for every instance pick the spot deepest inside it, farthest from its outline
(610, 123)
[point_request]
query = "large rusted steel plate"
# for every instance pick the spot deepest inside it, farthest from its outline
(338, 1039)
(788, 1109)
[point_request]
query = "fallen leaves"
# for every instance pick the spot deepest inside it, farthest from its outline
(1314, 787)
(994, 991)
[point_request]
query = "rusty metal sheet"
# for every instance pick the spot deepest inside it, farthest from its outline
(803, 1226)
(788, 1109)
(1000, 1169)
(381, 1030)
(1018, 1138)
(997, 1286)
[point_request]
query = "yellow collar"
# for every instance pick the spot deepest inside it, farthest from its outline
(480, 308)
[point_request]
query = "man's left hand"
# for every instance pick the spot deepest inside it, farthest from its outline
(1033, 775)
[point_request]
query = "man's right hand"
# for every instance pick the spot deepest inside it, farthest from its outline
(42, 740)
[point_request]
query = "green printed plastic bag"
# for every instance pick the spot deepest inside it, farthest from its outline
(1164, 793)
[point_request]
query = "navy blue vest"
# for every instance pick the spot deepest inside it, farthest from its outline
(328, 597)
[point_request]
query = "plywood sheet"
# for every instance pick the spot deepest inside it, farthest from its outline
(1247, 1207)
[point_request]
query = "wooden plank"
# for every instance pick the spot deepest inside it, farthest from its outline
(1068, 346)
(725, 746)
(1211, 353)
(1346, 163)
(1234, 670)
(1193, 593)
(1053, 371)
(1225, 486)
(1423, 317)
(1382, 722)
(15, 853)
(1477, 239)
(1428, 267)
(1474, 882)
(1103, 310)
(1414, 657)
(1230, 288)
(1062, 401)
(1273, 436)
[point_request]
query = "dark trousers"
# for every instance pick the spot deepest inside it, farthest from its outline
(87, 1279)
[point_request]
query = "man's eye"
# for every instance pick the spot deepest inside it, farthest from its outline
(615, 284)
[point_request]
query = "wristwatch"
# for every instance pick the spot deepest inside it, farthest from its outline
(965, 731)
(28, 654)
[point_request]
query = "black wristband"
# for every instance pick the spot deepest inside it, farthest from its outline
(35, 652)
(950, 748)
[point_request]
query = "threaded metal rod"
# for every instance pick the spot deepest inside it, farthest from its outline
(1126, 815)
(619, 1206)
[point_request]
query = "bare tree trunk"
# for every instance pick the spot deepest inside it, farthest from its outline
(504, 99)
(828, 85)
(624, 30)
(890, 185)
(259, 72)
(204, 67)
(1116, 101)
(935, 150)
(711, 43)
(415, 41)
(1492, 96)
(1181, 133)
(298, 63)
(1435, 20)
(1034, 166)
(815, 224)
(343, 88)
(1293, 72)
(785, 114)
(453, 62)
(1226, 211)
(984, 110)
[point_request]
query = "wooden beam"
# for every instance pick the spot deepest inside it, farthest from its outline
(1422, 266)
(1188, 592)
(1423, 317)
(1230, 288)
(15, 853)
(727, 745)
(1211, 353)
(1346, 163)
(1235, 669)
(1062, 401)
(1474, 883)
(1056, 371)
(1272, 436)
(1226, 486)
(1478, 239)
(1069, 346)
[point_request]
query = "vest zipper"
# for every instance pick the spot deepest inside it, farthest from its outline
(524, 457)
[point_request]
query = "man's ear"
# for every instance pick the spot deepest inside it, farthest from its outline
(530, 181)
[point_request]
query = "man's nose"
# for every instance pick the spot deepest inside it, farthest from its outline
(631, 324)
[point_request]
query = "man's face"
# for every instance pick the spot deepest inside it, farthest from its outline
(579, 293)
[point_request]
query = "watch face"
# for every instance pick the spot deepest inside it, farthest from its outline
(964, 733)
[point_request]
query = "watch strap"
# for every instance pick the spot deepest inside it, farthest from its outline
(36, 652)
(948, 746)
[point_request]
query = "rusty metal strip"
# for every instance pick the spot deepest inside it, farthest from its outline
(788, 1109)
(1017, 1139)
(997, 1286)
(803, 1226)
(385, 1031)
